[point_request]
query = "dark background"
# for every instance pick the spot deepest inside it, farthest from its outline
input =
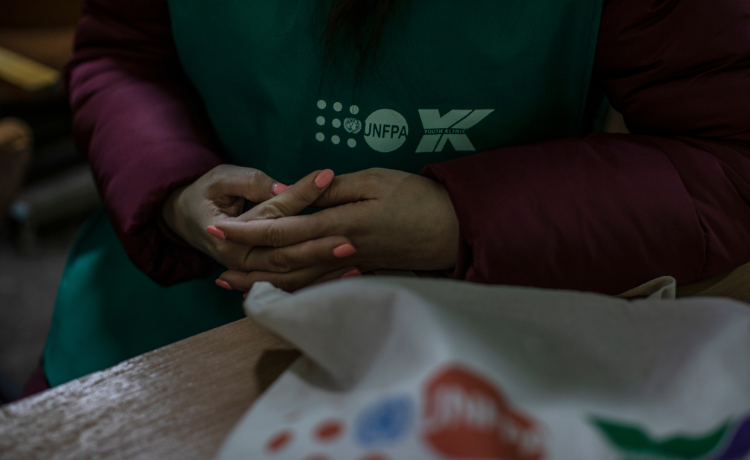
(32, 253)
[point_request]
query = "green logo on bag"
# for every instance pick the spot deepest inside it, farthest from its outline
(727, 442)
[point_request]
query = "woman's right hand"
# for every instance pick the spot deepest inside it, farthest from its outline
(192, 211)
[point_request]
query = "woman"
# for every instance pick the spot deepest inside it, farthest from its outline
(167, 96)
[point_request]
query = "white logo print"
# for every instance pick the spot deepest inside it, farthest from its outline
(386, 130)
(450, 127)
(351, 125)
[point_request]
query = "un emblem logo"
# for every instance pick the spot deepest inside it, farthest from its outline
(352, 125)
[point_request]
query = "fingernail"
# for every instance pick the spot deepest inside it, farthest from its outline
(351, 273)
(213, 231)
(345, 250)
(324, 178)
(224, 284)
(278, 187)
(244, 296)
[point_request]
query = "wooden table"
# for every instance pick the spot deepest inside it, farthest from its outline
(177, 402)
(180, 401)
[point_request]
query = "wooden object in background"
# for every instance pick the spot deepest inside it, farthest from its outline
(40, 31)
(25, 73)
(51, 46)
(15, 155)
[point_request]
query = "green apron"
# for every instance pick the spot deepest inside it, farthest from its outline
(452, 78)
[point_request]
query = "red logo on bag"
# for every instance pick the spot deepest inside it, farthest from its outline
(466, 416)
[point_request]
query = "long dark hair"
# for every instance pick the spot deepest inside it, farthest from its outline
(356, 26)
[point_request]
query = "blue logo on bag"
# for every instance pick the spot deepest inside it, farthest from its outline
(386, 421)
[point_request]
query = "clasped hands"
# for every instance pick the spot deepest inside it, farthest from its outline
(372, 219)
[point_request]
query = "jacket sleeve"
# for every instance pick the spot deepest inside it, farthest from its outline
(610, 211)
(142, 127)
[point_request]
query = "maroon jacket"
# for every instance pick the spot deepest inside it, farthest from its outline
(603, 213)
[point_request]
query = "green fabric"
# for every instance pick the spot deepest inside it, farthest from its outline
(258, 68)
(108, 311)
(452, 77)
(635, 439)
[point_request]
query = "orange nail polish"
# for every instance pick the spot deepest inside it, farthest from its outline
(345, 250)
(224, 284)
(279, 187)
(324, 178)
(351, 273)
(215, 232)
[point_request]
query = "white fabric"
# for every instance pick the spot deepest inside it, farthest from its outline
(410, 368)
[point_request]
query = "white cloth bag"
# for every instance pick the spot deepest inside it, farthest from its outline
(398, 368)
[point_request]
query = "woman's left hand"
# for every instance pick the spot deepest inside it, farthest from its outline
(395, 220)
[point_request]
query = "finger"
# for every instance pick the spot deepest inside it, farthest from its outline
(285, 259)
(290, 282)
(294, 199)
(342, 273)
(248, 183)
(276, 233)
(346, 188)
